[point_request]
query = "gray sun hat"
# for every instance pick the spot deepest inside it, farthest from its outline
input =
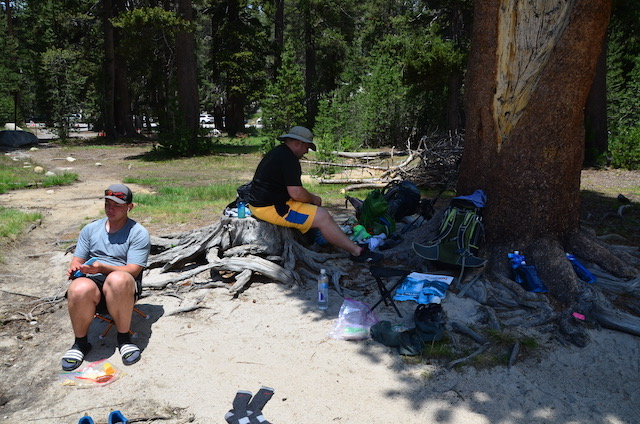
(299, 133)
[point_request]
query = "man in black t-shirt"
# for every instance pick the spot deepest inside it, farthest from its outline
(277, 195)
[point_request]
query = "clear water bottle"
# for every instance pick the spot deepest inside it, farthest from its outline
(323, 290)
(242, 212)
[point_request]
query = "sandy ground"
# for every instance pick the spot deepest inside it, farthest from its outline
(271, 335)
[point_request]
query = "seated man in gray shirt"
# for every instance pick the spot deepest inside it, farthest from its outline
(106, 270)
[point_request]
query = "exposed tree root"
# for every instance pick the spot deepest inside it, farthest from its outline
(242, 246)
(508, 304)
(587, 246)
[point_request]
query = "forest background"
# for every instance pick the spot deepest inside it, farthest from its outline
(361, 74)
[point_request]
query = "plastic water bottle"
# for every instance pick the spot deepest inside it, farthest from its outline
(582, 272)
(516, 261)
(242, 213)
(323, 290)
(79, 273)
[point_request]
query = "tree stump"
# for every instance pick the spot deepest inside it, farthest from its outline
(242, 246)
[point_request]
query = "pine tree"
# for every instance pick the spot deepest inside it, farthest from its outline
(284, 106)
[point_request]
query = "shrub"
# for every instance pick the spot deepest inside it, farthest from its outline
(624, 148)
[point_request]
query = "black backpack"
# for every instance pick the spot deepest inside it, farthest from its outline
(403, 199)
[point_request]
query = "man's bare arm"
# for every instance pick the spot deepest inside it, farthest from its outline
(301, 194)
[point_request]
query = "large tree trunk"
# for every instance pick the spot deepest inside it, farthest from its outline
(310, 67)
(530, 70)
(234, 111)
(109, 69)
(186, 73)
(122, 101)
(7, 9)
(278, 37)
(117, 109)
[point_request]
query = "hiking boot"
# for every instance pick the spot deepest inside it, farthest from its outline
(367, 257)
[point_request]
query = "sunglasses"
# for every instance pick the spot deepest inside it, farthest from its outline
(120, 195)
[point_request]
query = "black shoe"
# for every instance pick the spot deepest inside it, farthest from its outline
(367, 257)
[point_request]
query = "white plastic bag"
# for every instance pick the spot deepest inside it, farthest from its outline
(354, 321)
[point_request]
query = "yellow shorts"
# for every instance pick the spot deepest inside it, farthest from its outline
(300, 215)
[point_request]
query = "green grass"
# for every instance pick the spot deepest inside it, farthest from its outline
(13, 222)
(182, 205)
(19, 174)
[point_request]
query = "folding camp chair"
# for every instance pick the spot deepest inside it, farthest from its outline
(103, 315)
(380, 273)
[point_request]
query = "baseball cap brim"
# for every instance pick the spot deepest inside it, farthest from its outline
(115, 199)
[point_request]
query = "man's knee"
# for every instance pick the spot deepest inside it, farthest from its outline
(82, 287)
(120, 282)
(322, 218)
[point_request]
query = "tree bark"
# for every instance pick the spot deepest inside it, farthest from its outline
(109, 69)
(311, 100)
(234, 110)
(530, 70)
(122, 114)
(278, 37)
(7, 9)
(186, 73)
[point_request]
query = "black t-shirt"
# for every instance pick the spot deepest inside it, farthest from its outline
(278, 169)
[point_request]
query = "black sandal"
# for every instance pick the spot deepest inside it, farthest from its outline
(130, 353)
(74, 357)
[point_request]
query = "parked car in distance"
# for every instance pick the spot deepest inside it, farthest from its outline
(205, 118)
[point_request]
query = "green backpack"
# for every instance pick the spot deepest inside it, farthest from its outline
(459, 237)
(373, 214)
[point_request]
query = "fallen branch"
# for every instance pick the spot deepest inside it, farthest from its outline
(345, 165)
(19, 294)
(474, 354)
(514, 354)
(365, 185)
(377, 181)
(185, 309)
(463, 329)
(369, 155)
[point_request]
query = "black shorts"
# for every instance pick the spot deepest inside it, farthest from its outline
(99, 280)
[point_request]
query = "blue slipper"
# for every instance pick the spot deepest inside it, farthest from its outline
(116, 417)
(86, 420)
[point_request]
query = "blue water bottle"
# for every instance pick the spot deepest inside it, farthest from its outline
(582, 272)
(242, 213)
(516, 261)
(79, 273)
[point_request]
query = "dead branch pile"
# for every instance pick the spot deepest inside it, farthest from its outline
(433, 163)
